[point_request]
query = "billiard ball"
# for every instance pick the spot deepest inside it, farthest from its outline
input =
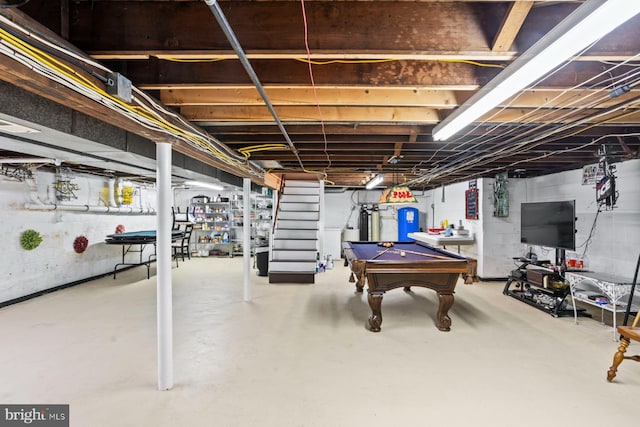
(402, 253)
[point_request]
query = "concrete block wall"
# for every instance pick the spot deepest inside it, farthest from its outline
(343, 210)
(55, 262)
(614, 245)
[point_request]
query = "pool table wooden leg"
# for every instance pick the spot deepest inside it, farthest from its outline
(357, 268)
(444, 321)
(375, 302)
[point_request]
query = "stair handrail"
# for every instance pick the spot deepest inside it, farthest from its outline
(275, 214)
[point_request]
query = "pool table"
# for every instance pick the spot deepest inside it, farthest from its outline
(403, 265)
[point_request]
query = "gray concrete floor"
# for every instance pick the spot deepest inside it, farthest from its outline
(300, 355)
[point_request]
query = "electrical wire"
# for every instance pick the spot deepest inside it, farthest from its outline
(470, 156)
(313, 84)
(108, 96)
(379, 61)
(593, 228)
(488, 131)
(246, 151)
(147, 113)
(13, 5)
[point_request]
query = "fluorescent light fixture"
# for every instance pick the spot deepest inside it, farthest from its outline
(205, 185)
(586, 25)
(374, 181)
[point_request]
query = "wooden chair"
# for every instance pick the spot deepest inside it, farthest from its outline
(627, 333)
(181, 247)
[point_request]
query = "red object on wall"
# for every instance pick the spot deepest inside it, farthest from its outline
(120, 229)
(80, 244)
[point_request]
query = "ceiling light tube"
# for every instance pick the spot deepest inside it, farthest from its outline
(205, 185)
(586, 25)
(374, 181)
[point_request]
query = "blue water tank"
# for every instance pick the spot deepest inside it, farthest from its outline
(408, 222)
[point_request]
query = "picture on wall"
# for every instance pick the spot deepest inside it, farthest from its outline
(471, 203)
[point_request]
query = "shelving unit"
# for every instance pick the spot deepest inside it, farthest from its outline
(212, 230)
(237, 223)
(536, 284)
(262, 207)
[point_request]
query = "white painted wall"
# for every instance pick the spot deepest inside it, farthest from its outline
(343, 211)
(55, 262)
(614, 247)
(615, 243)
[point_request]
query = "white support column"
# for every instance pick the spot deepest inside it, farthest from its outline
(163, 248)
(321, 231)
(246, 239)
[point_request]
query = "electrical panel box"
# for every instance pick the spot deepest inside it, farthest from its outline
(119, 86)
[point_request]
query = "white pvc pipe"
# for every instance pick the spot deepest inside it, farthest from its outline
(89, 208)
(321, 222)
(164, 297)
(246, 240)
(28, 160)
(112, 193)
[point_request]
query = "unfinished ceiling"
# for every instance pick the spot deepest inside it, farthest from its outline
(360, 85)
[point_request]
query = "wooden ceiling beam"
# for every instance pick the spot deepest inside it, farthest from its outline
(630, 116)
(511, 25)
(277, 25)
(310, 113)
(154, 73)
(368, 96)
(341, 130)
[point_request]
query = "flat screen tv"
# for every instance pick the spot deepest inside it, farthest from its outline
(550, 224)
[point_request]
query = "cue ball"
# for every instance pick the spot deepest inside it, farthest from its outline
(402, 253)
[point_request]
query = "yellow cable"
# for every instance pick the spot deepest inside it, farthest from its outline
(376, 61)
(346, 61)
(65, 70)
(193, 60)
(479, 64)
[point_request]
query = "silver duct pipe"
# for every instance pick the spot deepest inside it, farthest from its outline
(235, 44)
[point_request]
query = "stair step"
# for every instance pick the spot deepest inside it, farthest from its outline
(297, 215)
(287, 277)
(296, 224)
(300, 207)
(293, 266)
(310, 245)
(295, 234)
(301, 191)
(294, 255)
(299, 198)
(301, 183)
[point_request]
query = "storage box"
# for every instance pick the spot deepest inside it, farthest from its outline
(200, 199)
(537, 276)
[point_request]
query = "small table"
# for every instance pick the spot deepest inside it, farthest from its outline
(386, 269)
(139, 239)
(615, 288)
(440, 240)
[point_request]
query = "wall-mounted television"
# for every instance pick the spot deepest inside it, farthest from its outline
(550, 224)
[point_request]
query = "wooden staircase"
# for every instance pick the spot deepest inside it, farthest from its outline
(295, 238)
